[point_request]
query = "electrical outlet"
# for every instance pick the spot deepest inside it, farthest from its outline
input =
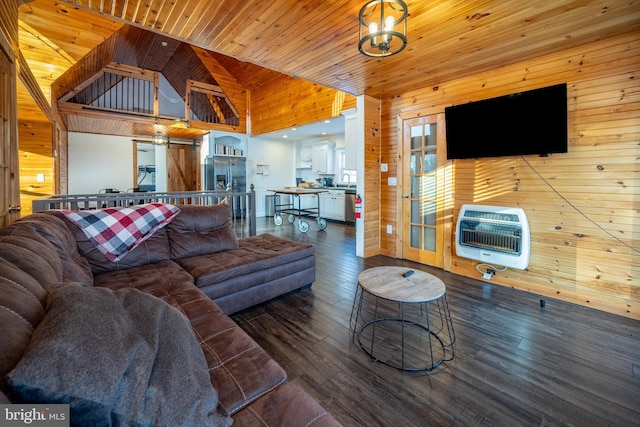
(389, 229)
(489, 274)
(384, 167)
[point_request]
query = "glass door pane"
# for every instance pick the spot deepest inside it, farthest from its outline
(423, 191)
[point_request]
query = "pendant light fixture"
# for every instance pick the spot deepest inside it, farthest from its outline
(159, 139)
(383, 28)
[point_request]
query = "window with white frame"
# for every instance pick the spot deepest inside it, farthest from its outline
(346, 176)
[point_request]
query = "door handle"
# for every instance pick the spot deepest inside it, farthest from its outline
(405, 196)
(15, 208)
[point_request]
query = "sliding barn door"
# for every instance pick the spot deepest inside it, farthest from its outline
(183, 167)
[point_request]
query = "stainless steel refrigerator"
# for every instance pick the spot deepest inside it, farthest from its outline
(219, 171)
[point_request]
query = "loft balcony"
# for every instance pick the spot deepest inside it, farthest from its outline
(133, 101)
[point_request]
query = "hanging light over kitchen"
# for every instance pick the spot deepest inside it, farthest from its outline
(383, 28)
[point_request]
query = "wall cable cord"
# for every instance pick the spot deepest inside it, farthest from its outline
(577, 209)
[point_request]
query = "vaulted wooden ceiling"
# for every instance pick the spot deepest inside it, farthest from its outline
(316, 40)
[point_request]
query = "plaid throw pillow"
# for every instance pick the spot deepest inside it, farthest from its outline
(117, 231)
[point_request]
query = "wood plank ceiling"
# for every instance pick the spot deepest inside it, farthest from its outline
(316, 40)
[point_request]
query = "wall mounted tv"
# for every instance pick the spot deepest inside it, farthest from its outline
(531, 122)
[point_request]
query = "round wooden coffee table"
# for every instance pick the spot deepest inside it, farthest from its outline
(403, 322)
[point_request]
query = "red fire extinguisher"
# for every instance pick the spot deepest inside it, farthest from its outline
(358, 206)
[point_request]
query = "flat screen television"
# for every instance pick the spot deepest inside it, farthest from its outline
(531, 122)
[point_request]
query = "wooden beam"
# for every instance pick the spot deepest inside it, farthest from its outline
(27, 78)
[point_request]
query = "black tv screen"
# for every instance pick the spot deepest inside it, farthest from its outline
(531, 122)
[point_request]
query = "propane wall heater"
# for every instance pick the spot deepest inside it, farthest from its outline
(493, 234)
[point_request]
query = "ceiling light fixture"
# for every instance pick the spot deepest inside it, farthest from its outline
(159, 139)
(383, 28)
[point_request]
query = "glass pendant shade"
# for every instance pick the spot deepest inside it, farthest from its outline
(383, 28)
(159, 139)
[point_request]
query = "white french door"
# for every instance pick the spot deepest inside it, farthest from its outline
(423, 189)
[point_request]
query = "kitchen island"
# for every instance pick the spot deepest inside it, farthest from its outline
(295, 210)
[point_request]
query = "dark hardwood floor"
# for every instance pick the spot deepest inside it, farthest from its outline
(516, 364)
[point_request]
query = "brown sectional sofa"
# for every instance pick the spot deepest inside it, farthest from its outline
(195, 265)
(200, 246)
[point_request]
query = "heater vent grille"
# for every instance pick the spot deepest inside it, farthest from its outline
(493, 234)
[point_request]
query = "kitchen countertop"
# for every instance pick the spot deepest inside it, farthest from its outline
(301, 190)
(349, 190)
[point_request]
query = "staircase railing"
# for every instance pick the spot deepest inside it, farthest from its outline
(243, 204)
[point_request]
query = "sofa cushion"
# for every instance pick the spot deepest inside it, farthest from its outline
(154, 249)
(201, 230)
(117, 231)
(254, 254)
(26, 249)
(236, 294)
(288, 405)
(121, 357)
(22, 301)
(75, 267)
(29, 268)
(144, 277)
(240, 370)
(189, 300)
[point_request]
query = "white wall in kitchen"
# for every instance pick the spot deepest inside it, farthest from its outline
(279, 158)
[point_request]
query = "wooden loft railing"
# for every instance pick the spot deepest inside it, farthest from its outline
(118, 88)
(134, 92)
(207, 103)
(243, 205)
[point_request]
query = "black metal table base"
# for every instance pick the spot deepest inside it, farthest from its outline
(409, 336)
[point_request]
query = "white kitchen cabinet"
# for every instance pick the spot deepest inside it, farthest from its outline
(323, 158)
(304, 157)
(323, 205)
(308, 201)
(332, 205)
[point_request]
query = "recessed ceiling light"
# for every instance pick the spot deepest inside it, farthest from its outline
(285, 136)
(324, 133)
(163, 44)
(327, 121)
(294, 129)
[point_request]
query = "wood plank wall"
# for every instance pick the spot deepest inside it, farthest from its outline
(36, 123)
(582, 206)
(229, 85)
(9, 26)
(372, 184)
(113, 48)
(288, 102)
(35, 158)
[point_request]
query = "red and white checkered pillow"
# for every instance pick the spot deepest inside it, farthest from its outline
(117, 231)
